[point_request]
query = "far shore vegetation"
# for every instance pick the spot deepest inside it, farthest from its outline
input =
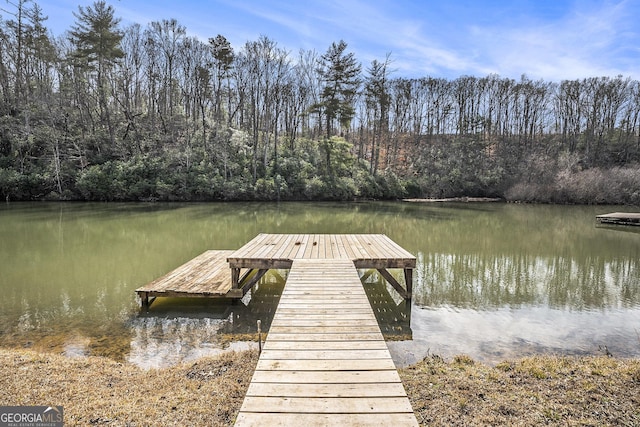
(543, 390)
(113, 112)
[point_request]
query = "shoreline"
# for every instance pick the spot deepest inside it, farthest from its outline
(456, 200)
(529, 391)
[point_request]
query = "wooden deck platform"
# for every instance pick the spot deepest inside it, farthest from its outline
(620, 218)
(325, 361)
(267, 251)
(207, 275)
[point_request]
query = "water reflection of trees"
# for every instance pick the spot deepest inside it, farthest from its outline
(476, 280)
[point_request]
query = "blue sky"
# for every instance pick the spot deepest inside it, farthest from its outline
(547, 39)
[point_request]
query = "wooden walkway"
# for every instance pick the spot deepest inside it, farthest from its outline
(620, 218)
(325, 361)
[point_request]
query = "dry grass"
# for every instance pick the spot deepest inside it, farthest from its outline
(591, 391)
(533, 391)
(100, 391)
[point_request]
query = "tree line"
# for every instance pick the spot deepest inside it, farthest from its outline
(112, 112)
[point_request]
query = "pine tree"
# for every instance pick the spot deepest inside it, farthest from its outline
(97, 40)
(340, 73)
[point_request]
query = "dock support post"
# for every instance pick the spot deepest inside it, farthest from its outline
(145, 300)
(235, 278)
(408, 280)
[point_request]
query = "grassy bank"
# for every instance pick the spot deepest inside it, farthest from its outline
(532, 391)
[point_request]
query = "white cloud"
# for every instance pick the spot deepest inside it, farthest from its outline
(562, 40)
(583, 44)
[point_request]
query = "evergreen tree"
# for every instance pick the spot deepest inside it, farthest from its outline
(97, 41)
(340, 73)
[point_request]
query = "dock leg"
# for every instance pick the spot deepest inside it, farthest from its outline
(235, 278)
(145, 300)
(408, 280)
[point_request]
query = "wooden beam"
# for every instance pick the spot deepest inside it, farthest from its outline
(253, 280)
(393, 282)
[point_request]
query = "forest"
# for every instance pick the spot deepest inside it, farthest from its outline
(107, 112)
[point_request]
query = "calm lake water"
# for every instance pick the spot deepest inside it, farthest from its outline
(494, 281)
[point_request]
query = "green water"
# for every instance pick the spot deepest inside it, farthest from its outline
(493, 280)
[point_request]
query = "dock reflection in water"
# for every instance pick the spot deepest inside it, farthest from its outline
(179, 330)
(392, 311)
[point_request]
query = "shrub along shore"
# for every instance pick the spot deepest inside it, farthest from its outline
(531, 391)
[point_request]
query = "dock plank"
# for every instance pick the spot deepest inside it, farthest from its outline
(326, 390)
(317, 420)
(328, 405)
(274, 344)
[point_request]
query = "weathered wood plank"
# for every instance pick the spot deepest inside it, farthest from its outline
(322, 329)
(322, 323)
(342, 316)
(312, 390)
(341, 336)
(322, 311)
(328, 405)
(330, 304)
(325, 365)
(309, 354)
(326, 377)
(253, 419)
(274, 344)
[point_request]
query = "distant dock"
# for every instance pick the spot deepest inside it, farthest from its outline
(620, 218)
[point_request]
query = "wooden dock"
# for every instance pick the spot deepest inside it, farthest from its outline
(620, 218)
(230, 274)
(325, 361)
